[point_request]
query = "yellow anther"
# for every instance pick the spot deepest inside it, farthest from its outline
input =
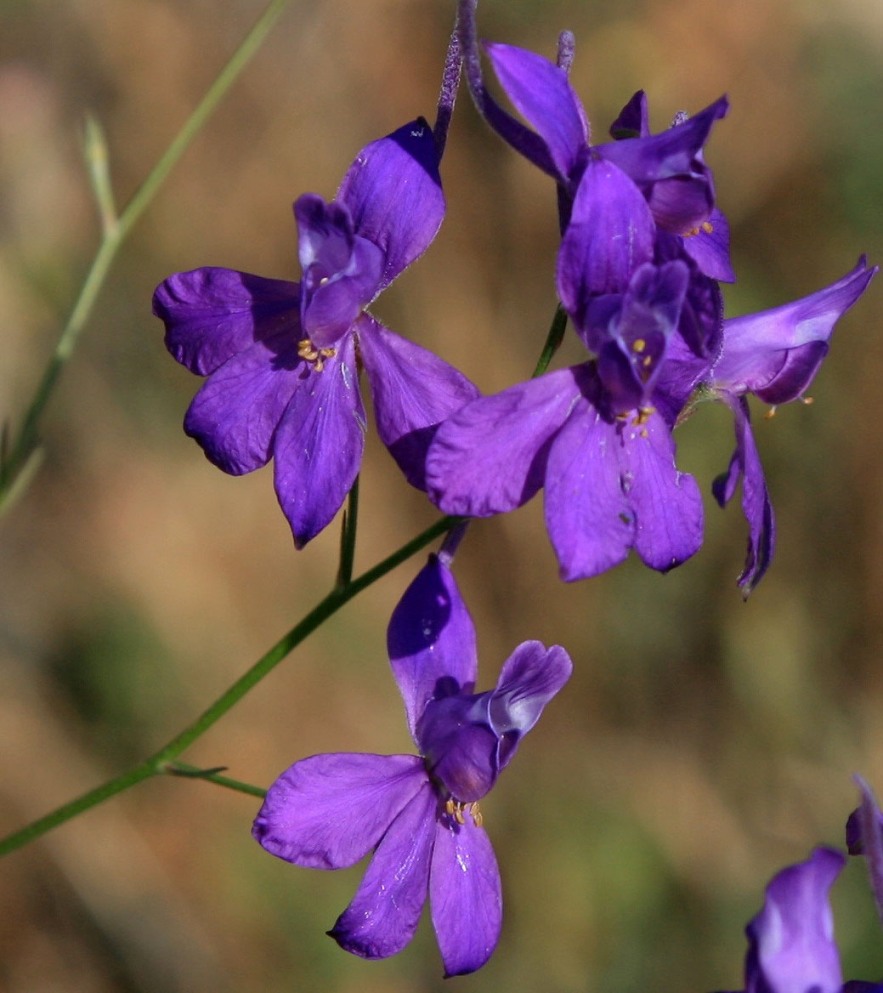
(638, 345)
(807, 400)
(457, 810)
(647, 361)
(644, 415)
(307, 351)
(770, 414)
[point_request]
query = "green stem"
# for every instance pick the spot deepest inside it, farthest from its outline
(553, 341)
(114, 234)
(160, 762)
(348, 537)
(213, 776)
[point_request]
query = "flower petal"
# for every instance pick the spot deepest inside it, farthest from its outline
(709, 248)
(542, 94)
(667, 503)
(756, 506)
(212, 314)
(413, 391)
(329, 811)
(864, 836)
(455, 737)
(588, 517)
(776, 353)
(791, 941)
(318, 445)
(490, 456)
(431, 641)
(236, 412)
(385, 911)
(465, 896)
(394, 194)
(531, 676)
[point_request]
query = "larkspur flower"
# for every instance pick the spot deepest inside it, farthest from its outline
(419, 813)
(791, 945)
(282, 358)
(774, 354)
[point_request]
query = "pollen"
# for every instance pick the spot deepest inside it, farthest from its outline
(638, 345)
(706, 227)
(457, 810)
(307, 351)
(644, 415)
(770, 414)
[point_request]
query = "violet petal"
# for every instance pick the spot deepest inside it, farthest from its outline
(465, 896)
(318, 445)
(329, 811)
(455, 737)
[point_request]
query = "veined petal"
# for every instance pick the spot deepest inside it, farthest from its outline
(610, 234)
(213, 314)
(542, 94)
(490, 456)
(776, 353)
(236, 412)
(465, 896)
(588, 517)
(431, 641)
(791, 941)
(329, 811)
(413, 391)
(394, 194)
(385, 911)
(756, 506)
(531, 676)
(318, 445)
(667, 503)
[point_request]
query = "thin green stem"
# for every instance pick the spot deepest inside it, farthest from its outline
(114, 233)
(348, 537)
(553, 341)
(161, 761)
(213, 776)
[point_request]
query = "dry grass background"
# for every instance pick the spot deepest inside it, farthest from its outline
(702, 742)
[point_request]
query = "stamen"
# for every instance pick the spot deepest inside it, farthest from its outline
(770, 414)
(807, 401)
(644, 415)
(638, 345)
(457, 810)
(307, 351)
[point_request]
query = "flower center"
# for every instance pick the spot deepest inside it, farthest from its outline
(316, 357)
(457, 810)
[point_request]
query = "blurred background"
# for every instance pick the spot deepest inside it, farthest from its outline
(702, 744)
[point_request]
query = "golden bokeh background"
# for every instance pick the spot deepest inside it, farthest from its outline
(702, 743)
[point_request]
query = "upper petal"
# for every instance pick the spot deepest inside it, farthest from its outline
(211, 314)
(413, 391)
(235, 414)
(776, 353)
(394, 194)
(318, 445)
(329, 811)
(531, 676)
(709, 247)
(490, 456)
(465, 896)
(756, 506)
(542, 94)
(431, 641)
(385, 911)
(791, 941)
(667, 503)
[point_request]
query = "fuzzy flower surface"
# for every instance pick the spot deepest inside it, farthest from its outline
(282, 359)
(791, 944)
(419, 813)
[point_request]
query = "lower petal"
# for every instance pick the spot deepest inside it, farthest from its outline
(318, 445)
(413, 391)
(386, 909)
(465, 896)
(329, 811)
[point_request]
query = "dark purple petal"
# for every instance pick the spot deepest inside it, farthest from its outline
(318, 445)
(213, 314)
(431, 641)
(329, 811)
(236, 412)
(864, 836)
(610, 234)
(413, 391)
(776, 353)
(385, 911)
(633, 120)
(666, 503)
(542, 94)
(465, 896)
(394, 195)
(531, 676)
(588, 516)
(490, 456)
(669, 169)
(341, 272)
(709, 248)
(791, 941)
(460, 748)
(756, 506)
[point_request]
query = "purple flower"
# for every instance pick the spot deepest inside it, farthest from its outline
(419, 813)
(864, 836)
(283, 359)
(791, 946)
(775, 355)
